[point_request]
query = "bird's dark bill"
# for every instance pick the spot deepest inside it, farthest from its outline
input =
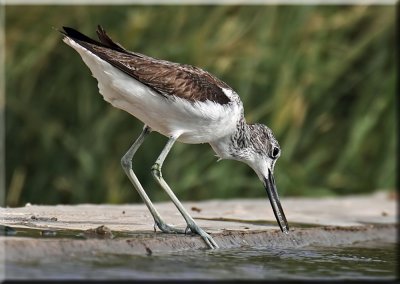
(275, 203)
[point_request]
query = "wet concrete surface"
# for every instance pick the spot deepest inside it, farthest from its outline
(35, 231)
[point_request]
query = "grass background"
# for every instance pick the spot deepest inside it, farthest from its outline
(321, 77)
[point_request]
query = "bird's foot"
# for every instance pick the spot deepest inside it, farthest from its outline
(206, 237)
(193, 228)
(164, 227)
(187, 230)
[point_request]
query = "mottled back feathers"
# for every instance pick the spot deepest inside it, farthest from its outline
(166, 78)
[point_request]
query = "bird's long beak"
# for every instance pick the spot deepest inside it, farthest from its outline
(270, 186)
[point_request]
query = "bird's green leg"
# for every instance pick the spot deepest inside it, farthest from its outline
(156, 171)
(126, 163)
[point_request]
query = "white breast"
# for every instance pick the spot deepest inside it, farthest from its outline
(192, 122)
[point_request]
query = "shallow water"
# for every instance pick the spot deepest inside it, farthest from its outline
(367, 261)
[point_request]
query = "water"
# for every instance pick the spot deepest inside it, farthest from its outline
(365, 261)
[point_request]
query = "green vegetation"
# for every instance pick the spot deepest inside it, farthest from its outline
(321, 77)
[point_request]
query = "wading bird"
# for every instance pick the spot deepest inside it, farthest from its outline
(185, 104)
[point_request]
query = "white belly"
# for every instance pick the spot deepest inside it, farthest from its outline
(191, 122)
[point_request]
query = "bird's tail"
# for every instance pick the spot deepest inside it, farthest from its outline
(105, 40)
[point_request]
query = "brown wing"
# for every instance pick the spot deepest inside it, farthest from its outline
(164, 77)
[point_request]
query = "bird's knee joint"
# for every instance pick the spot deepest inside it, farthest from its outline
(126, 163)
(156, 171)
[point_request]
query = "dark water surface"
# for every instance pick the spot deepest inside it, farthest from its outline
(366, 261)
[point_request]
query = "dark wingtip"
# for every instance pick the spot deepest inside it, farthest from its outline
(70, 31)
(101, 34)
(76, 35)
(107, 41)
(100, 29)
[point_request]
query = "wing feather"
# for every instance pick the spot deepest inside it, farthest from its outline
(166, 78)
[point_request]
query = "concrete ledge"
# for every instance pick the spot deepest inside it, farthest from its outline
(40, 231)
(21, 249)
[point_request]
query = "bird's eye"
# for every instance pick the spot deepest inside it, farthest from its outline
(275, 152)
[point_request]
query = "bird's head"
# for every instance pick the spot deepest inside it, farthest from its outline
(256, 146)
